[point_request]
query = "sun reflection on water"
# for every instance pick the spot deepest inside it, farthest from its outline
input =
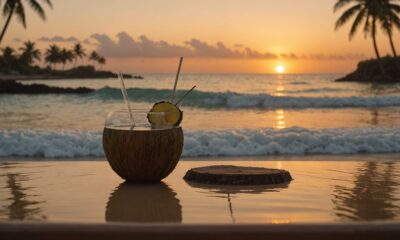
(280, 221)
(280, 119)
(279, 90)
(279, 165)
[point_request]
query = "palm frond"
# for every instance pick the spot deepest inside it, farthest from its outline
(367, 26)
(347, 15)
(48, 2)
(36, 7)
(8, 7)
(20, 12)
(341, 3)
(395, 20)
(394, 7)
(358, 20)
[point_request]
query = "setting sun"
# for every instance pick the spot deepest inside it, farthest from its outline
(280, 69)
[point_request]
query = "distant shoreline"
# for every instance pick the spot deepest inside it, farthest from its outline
(81, 72)
(60, 77)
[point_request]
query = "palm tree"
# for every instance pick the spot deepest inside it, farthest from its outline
(17, 7)
(388, 16)
(66, 56)
(79, 52)
(29, 53)
(52, 55)
(94, 56)
(8, 54)
(101, 61)
(7, 59)
(366, 11)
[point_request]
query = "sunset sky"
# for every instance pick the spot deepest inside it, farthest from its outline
(235, 36)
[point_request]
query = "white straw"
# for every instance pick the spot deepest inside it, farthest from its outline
(176, 79)
(125, 94)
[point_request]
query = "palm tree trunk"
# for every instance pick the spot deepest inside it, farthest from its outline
(392, 45)
(378, 55)
(396, 60)
(3, 32)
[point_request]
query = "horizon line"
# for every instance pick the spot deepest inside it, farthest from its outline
(233, 73)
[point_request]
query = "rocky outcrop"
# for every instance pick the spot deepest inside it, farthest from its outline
(14, 87)
(369, 72)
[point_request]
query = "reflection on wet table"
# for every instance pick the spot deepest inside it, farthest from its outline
(88, 191)
(158, 203)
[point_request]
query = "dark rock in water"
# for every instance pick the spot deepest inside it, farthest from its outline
(13, 87)
(233, 175)
(369, 72)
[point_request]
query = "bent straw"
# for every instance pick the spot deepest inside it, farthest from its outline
(176, 79)
(176, 104)
(125, 94)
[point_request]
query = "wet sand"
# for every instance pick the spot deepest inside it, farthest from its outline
(325, 189)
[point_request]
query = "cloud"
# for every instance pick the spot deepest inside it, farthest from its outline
(144, 47)
(349, 56)
(125, 46)
(58, 39)
(258, 55)
(88, 42)
(17, 40)
(203, 49)
(290, 56)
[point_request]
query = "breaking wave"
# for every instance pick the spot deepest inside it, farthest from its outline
(239, 100)
(244, 142)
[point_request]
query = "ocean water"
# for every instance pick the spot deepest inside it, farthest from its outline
(227, 115)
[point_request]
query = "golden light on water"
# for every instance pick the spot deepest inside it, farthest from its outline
(280, 221)
(279, 90)
(280, 119)
(280, 87)
(280, 69)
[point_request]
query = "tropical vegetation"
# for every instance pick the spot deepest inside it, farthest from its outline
(23, 60)
(370, 15)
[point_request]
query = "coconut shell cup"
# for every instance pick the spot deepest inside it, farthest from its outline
(143, 156)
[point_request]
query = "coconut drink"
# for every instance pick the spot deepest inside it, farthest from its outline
(145, 153)
(144, 146)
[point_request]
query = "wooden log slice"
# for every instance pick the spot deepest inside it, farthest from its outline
(234, 175)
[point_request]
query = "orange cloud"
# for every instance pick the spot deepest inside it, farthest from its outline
(125, 46)
(58, 39)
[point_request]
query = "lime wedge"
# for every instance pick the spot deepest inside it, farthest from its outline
(173, 115)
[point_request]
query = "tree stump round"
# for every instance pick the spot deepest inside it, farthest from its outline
(234, 175)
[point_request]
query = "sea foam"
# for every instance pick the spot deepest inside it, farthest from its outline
(244, 142)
